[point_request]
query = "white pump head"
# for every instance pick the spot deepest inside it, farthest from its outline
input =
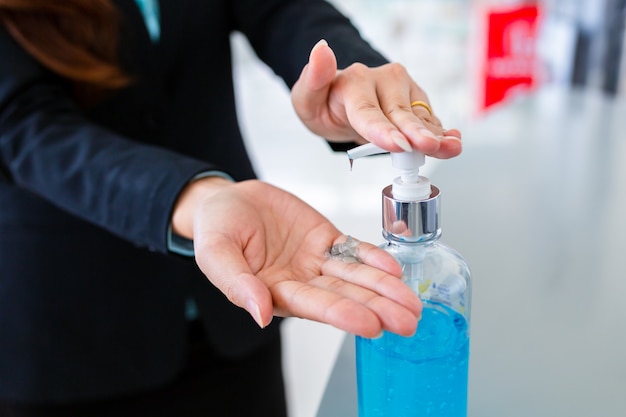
(409, 186)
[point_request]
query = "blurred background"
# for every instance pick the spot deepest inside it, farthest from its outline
(471, 57)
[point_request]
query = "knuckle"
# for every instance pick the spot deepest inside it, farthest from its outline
(357, 69)
(230, 291)
(397, 70)
(398, 108)
(366, 105)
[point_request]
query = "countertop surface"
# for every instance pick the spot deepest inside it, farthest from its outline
(537, 205)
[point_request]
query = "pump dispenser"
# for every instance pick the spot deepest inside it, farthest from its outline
(409, 186)
(426, 374)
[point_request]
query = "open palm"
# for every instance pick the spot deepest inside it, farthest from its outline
(265, 250)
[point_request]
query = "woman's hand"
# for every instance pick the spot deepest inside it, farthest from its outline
(266, 250)
(361, 104)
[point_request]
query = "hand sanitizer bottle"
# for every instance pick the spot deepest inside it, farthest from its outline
(426, 374)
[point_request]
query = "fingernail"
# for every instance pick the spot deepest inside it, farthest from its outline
(378, 336)
(320, 43)
(452, 138)
(399, 139)
(255, 312)
(429, 134)
(452, 132)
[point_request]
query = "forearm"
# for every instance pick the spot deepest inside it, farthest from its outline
(50, 148)
(124, 187)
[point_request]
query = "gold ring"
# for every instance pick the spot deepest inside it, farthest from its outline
(422, 104)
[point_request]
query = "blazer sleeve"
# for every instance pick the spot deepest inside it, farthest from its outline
(48, 147)
(282, 33)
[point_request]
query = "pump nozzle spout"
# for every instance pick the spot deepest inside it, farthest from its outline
(365, 150)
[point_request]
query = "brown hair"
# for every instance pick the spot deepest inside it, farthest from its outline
(77, 39)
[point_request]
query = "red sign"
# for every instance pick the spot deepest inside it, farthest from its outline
(510, 63)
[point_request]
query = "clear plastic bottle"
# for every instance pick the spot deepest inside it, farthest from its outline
(426, 374)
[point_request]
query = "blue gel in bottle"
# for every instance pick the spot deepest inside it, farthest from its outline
(422, 375)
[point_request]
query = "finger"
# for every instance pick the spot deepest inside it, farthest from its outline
(359, 102)
(222, 261)
(299, 299)
(421, 128)
(377, 271)
(340, 303)
(344, 306)
(428, 118)
(375, 280)
(310, 93)
(396, 93)
(419, 109)
(383, 114)
(367, 253)
(453, 132)
(451, 145)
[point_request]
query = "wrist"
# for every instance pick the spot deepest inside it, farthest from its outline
(189, 198)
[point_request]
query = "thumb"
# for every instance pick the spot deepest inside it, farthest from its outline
(229, 271)
(310, 92)
(322, 66)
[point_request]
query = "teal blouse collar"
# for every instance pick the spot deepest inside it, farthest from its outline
(151, 16)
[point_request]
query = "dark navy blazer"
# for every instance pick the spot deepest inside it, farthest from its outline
(91, 302)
